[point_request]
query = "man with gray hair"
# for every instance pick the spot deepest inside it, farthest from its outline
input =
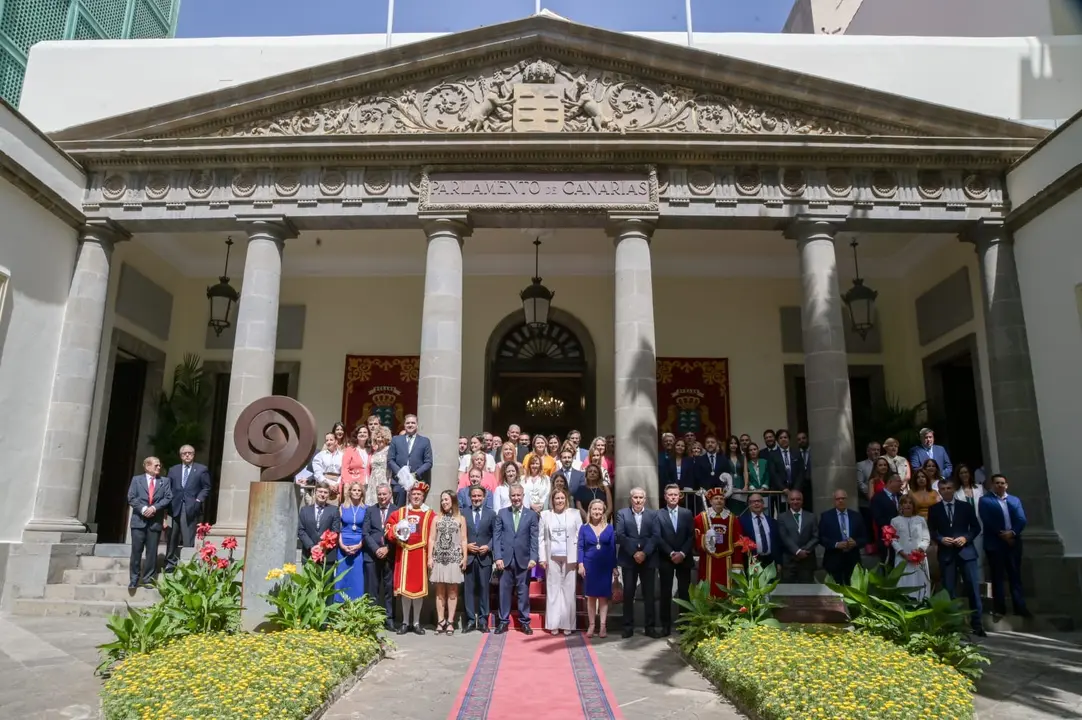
(637, 535)
(378, 554)
(928, 450)
(189, 483)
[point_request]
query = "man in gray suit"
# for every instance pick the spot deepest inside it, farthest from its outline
(150, 498)
(799, 531)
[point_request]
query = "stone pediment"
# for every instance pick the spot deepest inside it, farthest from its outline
(545, 95)
(542, 74)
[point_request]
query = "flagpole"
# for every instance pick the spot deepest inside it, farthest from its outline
(687, 11)
(390, 20)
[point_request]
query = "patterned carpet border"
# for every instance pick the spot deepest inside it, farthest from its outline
(483, 681)
(592, 695)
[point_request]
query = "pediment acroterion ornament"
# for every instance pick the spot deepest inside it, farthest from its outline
(542, 95)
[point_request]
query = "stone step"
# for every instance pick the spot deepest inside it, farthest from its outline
(110, 593)
(73, 608)
(1039, 623)
(94, 562)
(96, 577)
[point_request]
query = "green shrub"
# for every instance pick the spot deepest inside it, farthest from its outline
(203, 594)
(258, 676)
(362, 617)
(139, 631)
(302, 598)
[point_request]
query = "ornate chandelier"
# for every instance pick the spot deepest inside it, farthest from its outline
(545, 405)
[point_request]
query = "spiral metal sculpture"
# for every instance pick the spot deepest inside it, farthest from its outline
(276, 434)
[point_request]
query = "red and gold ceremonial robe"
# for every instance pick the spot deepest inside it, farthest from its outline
(716, 563)
(411, 560)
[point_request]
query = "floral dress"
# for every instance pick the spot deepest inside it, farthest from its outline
(447, 551)
(377, 475)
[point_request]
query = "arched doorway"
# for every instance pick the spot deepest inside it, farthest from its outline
(523, 364)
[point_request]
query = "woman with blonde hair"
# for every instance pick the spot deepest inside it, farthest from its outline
(541, 450)
(536, 485)
(508, 454)
(911, 543)
(597, 548)
(598, 449)
(478, 461)
(377, 462)
(447, 560)
(898, 463)
(355, 463)
(558, 543)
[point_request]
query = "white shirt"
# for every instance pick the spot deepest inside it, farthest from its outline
(154, 480)
(327, 462)
(557, 527)
(638, 521)
(501, 498)
(763, 543)
(465, 460)
(536, 491)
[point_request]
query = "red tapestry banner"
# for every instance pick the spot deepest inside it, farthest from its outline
(693, 396)
(382, 385)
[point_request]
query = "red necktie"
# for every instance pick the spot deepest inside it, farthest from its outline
(150, 491)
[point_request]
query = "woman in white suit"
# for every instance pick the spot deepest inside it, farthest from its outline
(558, 536)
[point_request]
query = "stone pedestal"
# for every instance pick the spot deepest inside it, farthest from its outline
(271, 542)
(826, 366)
(439, 387)
(60, 479)
(809, 603)
(252, 373)
(636, 359)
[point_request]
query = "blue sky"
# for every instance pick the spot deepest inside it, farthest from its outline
(252, 18)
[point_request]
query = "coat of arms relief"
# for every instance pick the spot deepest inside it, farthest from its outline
(542, 95)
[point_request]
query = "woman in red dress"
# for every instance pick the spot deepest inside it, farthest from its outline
(716, 533)
(410, 527)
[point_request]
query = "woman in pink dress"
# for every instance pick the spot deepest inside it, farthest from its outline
(488, 479)
(355, 461)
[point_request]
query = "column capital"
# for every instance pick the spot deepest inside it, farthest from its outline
(634, 224)
(803, 227)
(438, 224)
(278, 227)
(103, 231)
(985, 232)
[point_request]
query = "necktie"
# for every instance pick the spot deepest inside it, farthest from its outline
(950, 513)
(515, 516)
(894, 499)
(672, 515)
(763, 535)
(382, 516)
(712, 466)
(476, 517)
(319, 514)
(150, 491)
(843, 524)
(184, 480)
(409, 445)
(788, 467)
(796, 518)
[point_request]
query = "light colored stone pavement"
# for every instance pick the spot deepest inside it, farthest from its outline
(1032, 677)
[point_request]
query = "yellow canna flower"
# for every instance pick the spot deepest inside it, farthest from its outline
(289, 569)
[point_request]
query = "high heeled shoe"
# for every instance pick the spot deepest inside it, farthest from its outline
(604, 631)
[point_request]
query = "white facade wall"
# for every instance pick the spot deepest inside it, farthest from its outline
(1034, 79)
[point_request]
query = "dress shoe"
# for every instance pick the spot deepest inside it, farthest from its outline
(132, 586)
(628, 632)
(418, 630)
(470, 627)
(403, 629)
(527, 630)
(666, 631)
(482, 627)
(389, 625)
(979, 632)
(501, 629)
(653, 633)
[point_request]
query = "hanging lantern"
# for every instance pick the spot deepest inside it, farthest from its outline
(860, 299)
(536, 298)
(222, 298)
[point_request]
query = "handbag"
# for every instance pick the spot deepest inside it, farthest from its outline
(617, 591)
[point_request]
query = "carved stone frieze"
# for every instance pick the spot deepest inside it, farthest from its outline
(542, 95)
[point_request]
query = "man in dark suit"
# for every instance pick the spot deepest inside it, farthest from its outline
(798, 531)
(412, 450)
(463, 495)
(480, 525)
(379, 554)
(710, 466)
(150, 499)
(189, 483)
(763, 529)
(954, 527)
(675, 542)
(514, 548)
(842, 534)
(666, 463)
(514, 434)
(1004, 521)
(884, 508)
(575, 478)
(636, 554)
(786, 466)
(317, 519)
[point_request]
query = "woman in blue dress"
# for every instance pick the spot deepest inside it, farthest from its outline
(597, 546)
(350, 542)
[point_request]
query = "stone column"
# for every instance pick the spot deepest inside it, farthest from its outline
(1014, 402)
(636, 359)
(439, 387)
(826, 367)
(251, 375)
(67, 430)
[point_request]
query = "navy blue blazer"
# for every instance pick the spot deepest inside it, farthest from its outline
(687, 473)
(517, 547)
(666, 469)
(883, 511)
(630, 540)
(992, 517)
(139, 498)
(830, 533)
(480, 533)
(680, 539)
(464, 499)
(191, 495)
(918, 455)
(705, 478)
(375, 534)
(965, 525)
(575, 479)
(747, 524)
(419, 461)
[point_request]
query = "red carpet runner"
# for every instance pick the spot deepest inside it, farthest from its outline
(563, 672)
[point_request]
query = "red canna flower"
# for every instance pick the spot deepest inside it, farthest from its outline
(317, 553)
(329, 539)
(202, 530)
(917, 556)
(746, 544)
(223, 563)
(207, 552)
(230, 543)
(743, 609)
(889, 533)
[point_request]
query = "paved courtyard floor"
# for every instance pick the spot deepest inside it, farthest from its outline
(48, 670)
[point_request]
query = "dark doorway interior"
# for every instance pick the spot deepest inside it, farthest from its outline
(118, 454)
(217, 434)
(955, 409)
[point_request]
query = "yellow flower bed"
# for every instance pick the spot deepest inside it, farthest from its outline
(832, 675)
(277, 676)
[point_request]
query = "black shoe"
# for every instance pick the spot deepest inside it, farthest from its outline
(527, 630)
(653, 633)
(403, 629)
(133, 586)
(389, 625)
(1024, 613)
(628, 632)
(470, 627)
(482, 627)
(979, 632)
(501, 629)
(418, 630)
(666, 631)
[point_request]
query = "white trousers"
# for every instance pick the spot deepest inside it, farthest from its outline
(559, 595)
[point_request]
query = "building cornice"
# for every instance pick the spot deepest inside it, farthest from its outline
(30, 184)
